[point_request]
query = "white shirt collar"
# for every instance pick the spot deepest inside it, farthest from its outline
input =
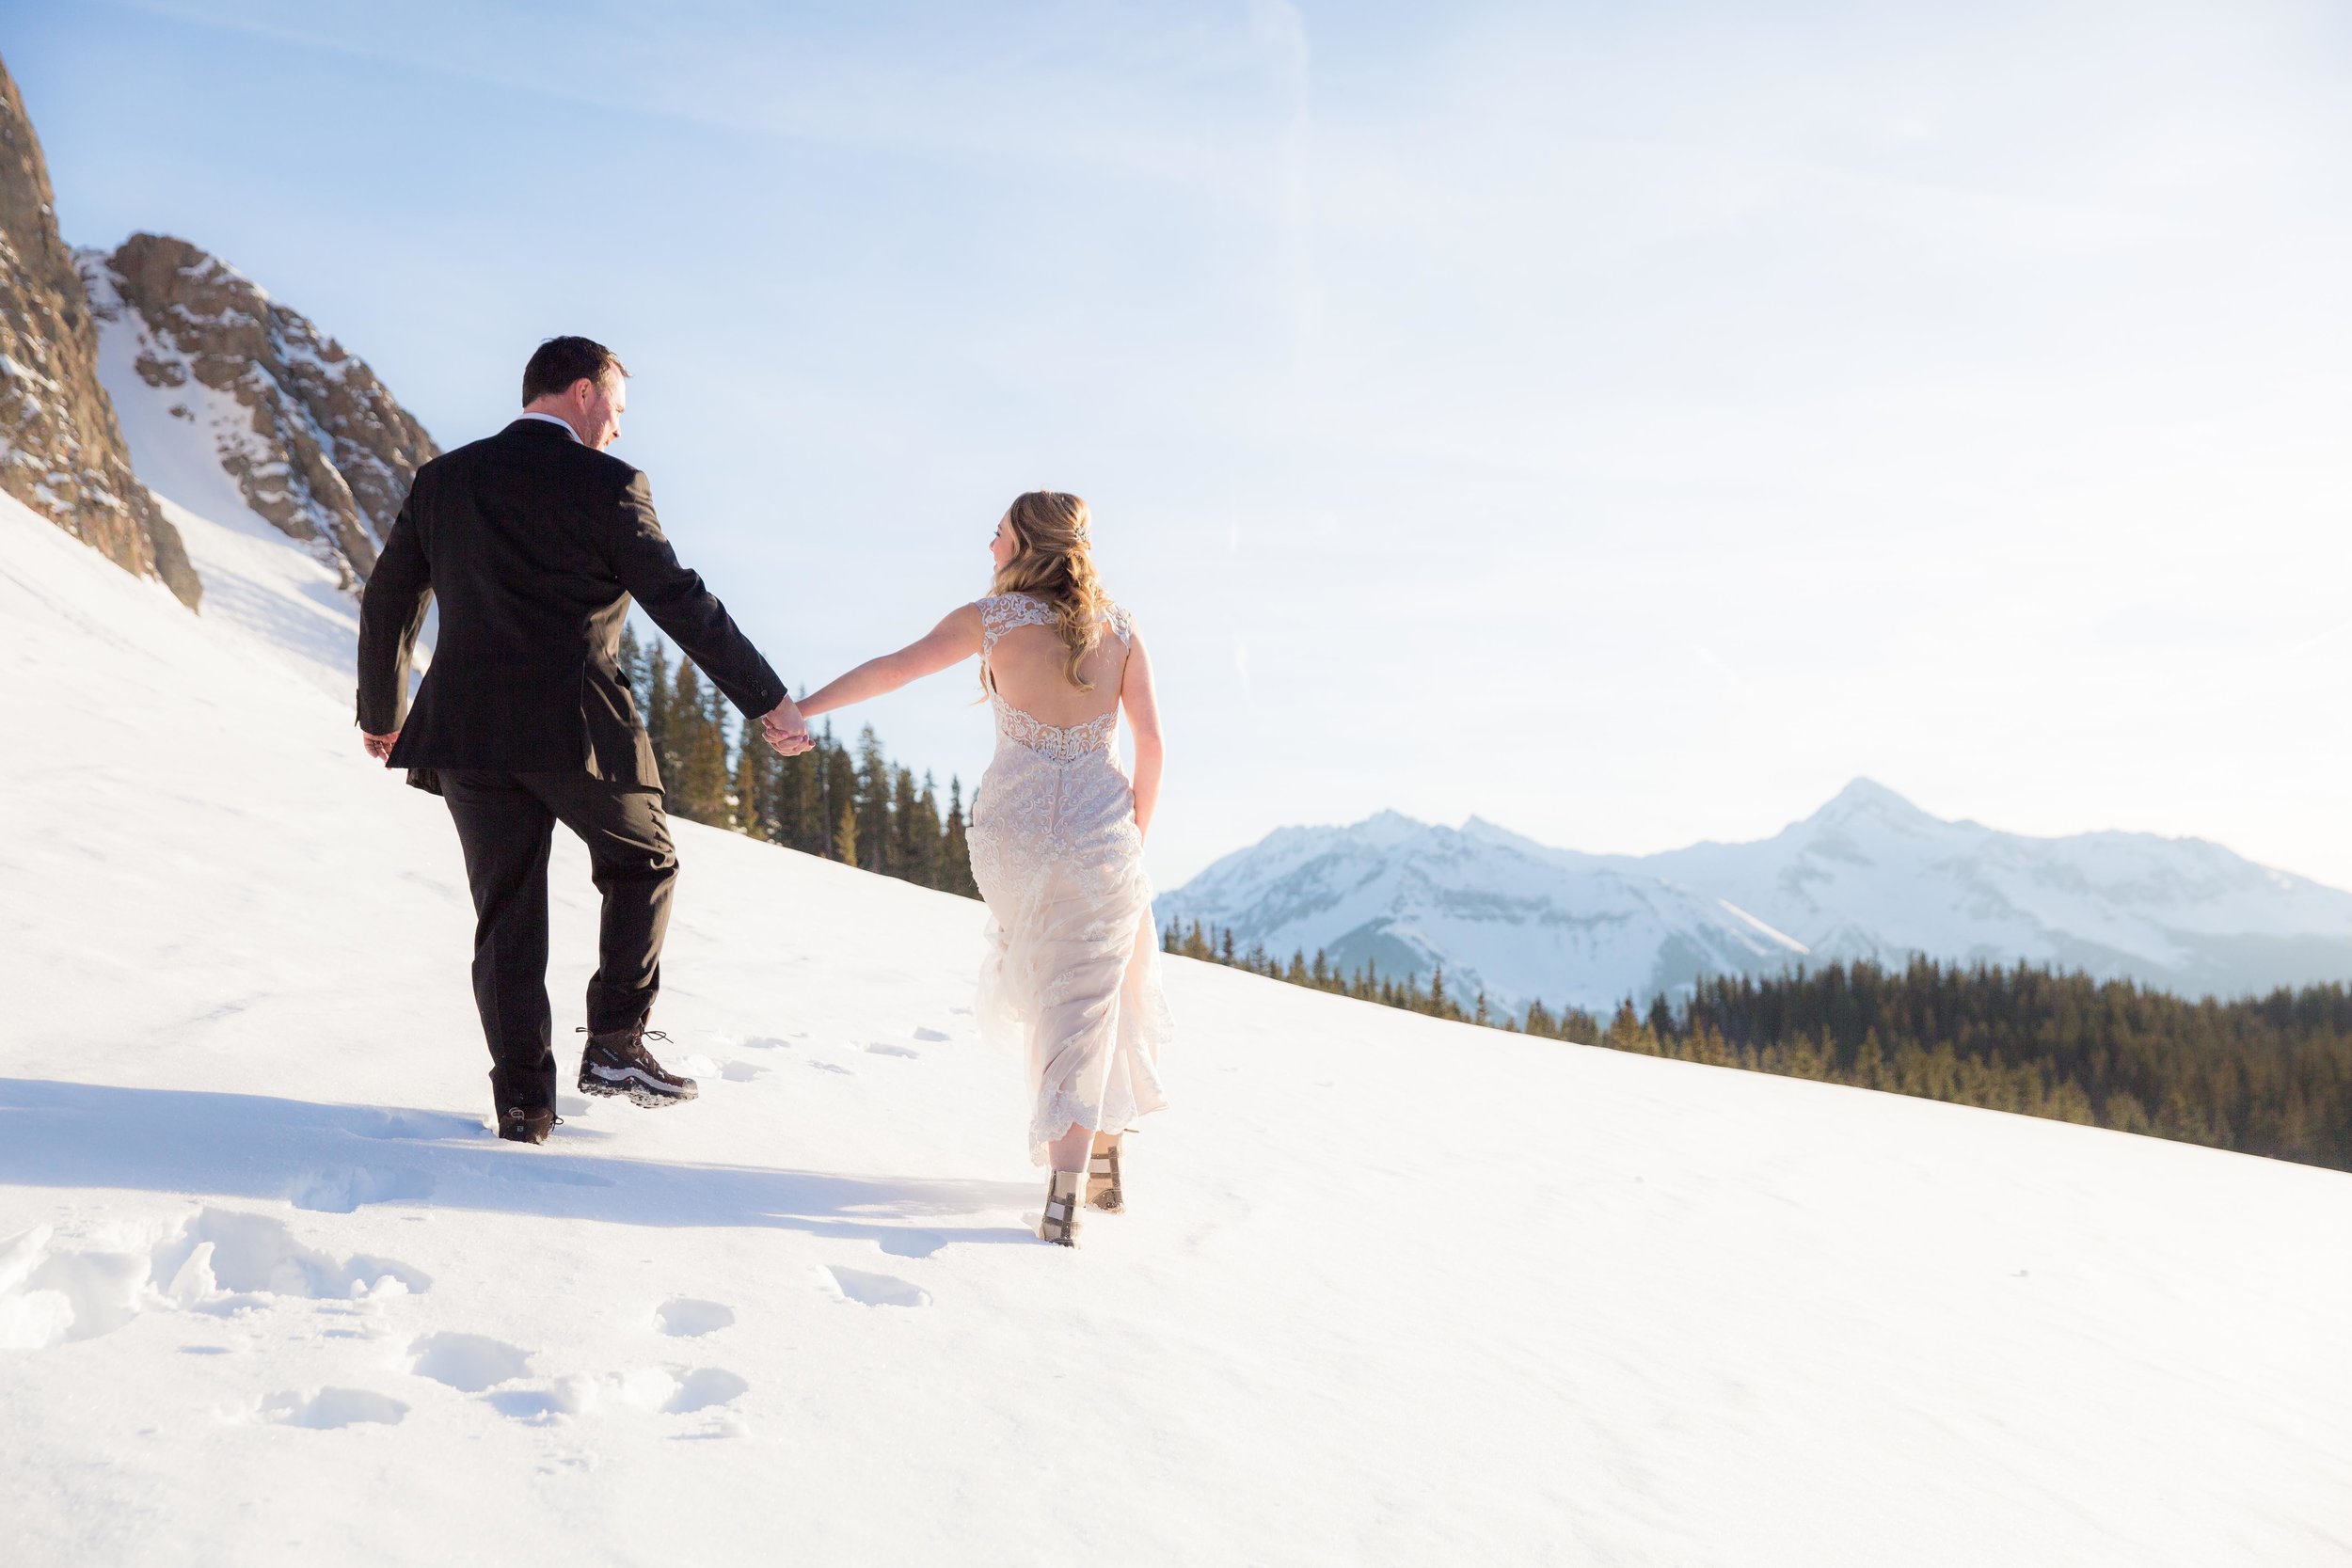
(530, 414)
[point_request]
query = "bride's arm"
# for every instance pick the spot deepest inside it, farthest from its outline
(1143, 718)
(953, 641)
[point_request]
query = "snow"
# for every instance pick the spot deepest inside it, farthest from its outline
(177, 432)
(1391, 1291)
(1501, 915)
(1867, 877)
(183, 434)
(285, 604)
(16, 370)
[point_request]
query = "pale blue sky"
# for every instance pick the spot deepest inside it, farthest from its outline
(1626, 424)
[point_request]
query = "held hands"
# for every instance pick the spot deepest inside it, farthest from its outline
(786, 730)
(379, 746)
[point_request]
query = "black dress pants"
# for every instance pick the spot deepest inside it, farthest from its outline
(506, 823)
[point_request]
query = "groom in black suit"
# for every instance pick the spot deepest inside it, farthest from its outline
(534, 542)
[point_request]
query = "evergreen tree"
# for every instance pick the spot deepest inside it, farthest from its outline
(631, 661)
(955, 847)
(756, 775)
(910, 842)
(700, 791)
(845, 835)
(840, 796)
(928, 844)
(873, 803)
(653, 702)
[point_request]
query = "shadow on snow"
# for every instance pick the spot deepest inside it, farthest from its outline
(335, 1158)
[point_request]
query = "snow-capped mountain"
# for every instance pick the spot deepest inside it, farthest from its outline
(1501, 915)
(233, 402)
(1869, 876)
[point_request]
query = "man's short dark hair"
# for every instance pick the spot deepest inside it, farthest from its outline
(560, 361)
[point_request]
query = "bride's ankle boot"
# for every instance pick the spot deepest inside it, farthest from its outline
(1063, 1195)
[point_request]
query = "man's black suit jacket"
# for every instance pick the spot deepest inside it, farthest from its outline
(533, 544)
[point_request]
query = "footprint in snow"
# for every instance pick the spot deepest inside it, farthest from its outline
(704, 1388)
(573, 1395)
(742, 1073)
(535, 1405)
(418, 1125)
(468, 1363)
(330, 1408)
(538, 1173)
(678, 1392)
(871, 1289)
(340, 1190)
(831, 1067)
(219, 1262)
(882, 1049)
(684, 1318)
(931, 1035)
(766, 1042)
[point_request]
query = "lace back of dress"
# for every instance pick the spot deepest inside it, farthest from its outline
(1004, 613)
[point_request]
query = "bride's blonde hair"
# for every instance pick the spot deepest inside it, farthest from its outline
(1053, 561)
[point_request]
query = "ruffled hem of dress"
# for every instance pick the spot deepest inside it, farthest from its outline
(1067, 1112)
(1005, 1026)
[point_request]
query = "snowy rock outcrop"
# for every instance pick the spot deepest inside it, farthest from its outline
(1869, 876)
(314, 442)
(61, 451)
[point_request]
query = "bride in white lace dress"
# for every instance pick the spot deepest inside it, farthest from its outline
(1071, 974)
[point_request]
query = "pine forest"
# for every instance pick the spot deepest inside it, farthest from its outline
(2269, 1075)
(855, 806)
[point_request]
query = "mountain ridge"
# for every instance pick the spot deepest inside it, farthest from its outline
(1868, 874)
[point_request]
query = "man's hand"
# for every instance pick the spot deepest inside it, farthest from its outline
(786, 731)
(379, 746)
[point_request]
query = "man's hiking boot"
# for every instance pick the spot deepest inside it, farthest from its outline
(617, 1062)
(522, 1125)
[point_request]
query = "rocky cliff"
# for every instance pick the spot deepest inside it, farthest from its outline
(312, 438)
(61, 451)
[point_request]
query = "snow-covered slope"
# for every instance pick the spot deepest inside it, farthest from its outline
(1393, 1290)
(1869, 876)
